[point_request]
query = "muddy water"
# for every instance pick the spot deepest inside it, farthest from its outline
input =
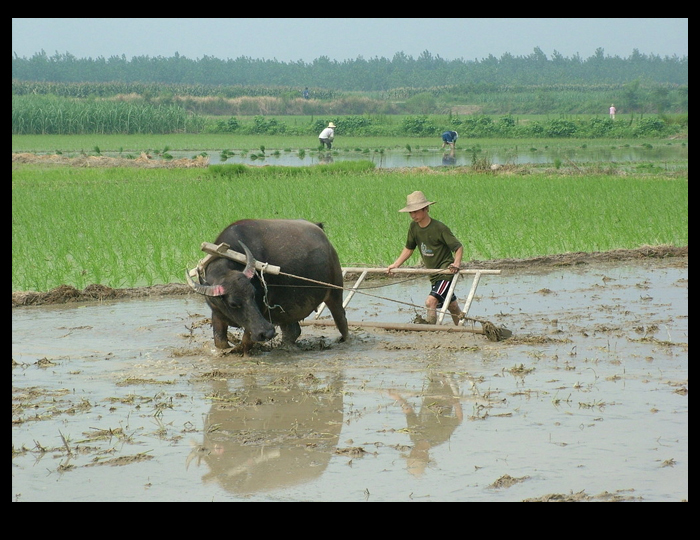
(127, 401)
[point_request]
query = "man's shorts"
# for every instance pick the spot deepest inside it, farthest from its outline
(440, 289)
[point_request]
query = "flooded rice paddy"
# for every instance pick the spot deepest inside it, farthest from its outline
(128, 401)
(664, 156)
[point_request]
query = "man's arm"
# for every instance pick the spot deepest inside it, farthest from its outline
(454, 267)
(405, 254)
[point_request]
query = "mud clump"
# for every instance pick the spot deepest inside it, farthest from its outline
(65, 294)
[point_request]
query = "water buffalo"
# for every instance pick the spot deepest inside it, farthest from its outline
(238, 296)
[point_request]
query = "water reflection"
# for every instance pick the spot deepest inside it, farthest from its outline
(439, 415)
(449, 159)
(270, 434)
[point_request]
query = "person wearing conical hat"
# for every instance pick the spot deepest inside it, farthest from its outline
(439, 249)
(327, 135)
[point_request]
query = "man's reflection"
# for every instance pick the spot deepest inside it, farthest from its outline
(326, 158)
(440, 414)
(270, 434)
(449, 159)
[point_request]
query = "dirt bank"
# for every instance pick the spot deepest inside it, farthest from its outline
(144, 161)
(67, 293)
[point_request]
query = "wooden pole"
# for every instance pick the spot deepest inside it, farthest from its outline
(448, 299)
(222, 250)
(472, 291)
(418, 271)
(399, 326)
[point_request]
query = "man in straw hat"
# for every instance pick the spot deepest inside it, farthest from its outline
(437, 245)
(327, 135)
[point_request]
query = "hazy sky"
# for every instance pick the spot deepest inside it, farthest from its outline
(291, 40)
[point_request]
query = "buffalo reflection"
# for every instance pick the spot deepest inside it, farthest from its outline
(271, 434)
(440, 414)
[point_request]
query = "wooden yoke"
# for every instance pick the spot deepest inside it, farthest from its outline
(223, 250)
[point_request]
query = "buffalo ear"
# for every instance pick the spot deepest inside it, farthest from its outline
(249, 270)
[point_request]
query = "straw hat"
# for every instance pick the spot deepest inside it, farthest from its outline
(416, 201)
(331, 124)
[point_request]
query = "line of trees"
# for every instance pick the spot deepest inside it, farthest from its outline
(364, 75)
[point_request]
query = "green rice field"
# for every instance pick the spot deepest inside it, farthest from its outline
(128, 227)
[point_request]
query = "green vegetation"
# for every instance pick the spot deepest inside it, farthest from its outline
(124, 227)
(50, 115)
(62, 116)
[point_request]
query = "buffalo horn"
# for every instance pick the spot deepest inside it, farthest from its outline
(249, 270)
(206, 290)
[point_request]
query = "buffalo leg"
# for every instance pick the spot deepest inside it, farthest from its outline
(290, 332)
(220, 332)
(246, 343)
(334, 301)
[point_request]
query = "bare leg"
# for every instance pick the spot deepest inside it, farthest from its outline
(431, 305)
(453, 308)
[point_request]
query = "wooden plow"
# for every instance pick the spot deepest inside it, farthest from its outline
(491, 331)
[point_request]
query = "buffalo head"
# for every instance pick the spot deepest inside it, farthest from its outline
(231, 295)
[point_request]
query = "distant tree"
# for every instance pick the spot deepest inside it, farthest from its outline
(375, 74)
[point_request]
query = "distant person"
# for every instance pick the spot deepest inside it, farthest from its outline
(613, 110)
(449, 138)
(437, 244)
(305, 93)
(327, 135)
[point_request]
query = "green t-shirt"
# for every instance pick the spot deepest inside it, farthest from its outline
(436, 244)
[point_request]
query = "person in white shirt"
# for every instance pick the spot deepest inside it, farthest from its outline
(327, 135)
